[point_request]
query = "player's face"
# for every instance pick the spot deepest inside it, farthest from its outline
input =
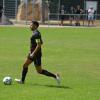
(32, 26)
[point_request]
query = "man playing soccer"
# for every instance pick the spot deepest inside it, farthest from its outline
(35, 55)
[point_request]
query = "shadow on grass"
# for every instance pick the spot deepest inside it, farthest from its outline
(53, 86)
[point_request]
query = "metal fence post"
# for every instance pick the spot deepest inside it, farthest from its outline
(16, 6)
(58, 11)
(26, 15)
(3, 14)
(42, 12)
(33, 9)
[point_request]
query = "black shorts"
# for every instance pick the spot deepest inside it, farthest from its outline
(36, 59)
(62, 17)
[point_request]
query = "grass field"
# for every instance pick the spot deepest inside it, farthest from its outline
(72, 52)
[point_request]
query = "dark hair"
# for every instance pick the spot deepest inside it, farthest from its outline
(35, 23)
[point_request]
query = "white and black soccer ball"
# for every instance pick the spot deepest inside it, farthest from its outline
(7, 80)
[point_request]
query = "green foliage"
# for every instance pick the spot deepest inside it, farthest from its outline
(72, 52)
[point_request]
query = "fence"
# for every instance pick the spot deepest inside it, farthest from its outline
(45, 11)
(71, 19)
(9, 11)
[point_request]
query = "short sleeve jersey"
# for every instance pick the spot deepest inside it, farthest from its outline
(35, 38)
(91, 12)
(78, 11)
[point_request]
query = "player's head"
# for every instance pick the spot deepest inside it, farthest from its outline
(34, 25)
(78, 6)
(91, 7)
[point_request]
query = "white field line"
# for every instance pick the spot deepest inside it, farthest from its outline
(50, 26)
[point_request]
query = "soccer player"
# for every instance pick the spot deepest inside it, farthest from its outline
(35, 55)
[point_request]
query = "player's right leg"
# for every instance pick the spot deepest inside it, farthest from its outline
(24, 71)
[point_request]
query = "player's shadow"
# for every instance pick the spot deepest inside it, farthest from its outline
(53, 86)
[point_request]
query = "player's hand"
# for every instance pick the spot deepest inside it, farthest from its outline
(32, 55)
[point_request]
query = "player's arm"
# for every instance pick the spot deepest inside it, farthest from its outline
(81, 11)
(89, 11)
(37, 48)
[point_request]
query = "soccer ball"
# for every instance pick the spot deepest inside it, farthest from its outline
(7, 80)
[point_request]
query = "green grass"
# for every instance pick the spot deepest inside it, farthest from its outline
(72, 52)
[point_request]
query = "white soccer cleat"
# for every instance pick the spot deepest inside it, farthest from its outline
(19, 81)
(58, 79)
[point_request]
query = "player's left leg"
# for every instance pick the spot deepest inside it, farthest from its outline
(70, 19)
(47, 73)
(37, 63)
(92, 23)
(44, 72)
(92, 20)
